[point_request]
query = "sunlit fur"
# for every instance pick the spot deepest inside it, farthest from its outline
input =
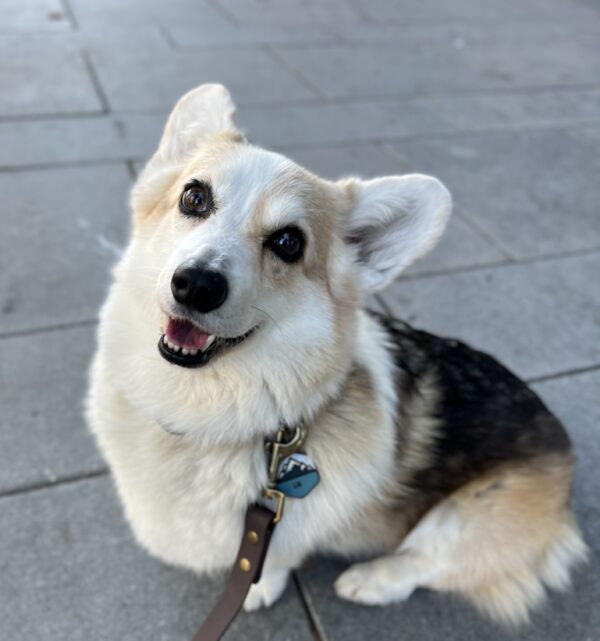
(186, 445)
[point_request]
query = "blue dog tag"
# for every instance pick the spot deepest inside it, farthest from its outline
(296, 476)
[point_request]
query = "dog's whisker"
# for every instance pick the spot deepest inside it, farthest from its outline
(262, 311)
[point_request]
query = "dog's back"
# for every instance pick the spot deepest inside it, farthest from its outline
(485, 471)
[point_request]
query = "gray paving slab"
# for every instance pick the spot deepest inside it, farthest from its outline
(47, 82)
(431, 616)
(33, 15)
(186, 36)
(47, 141)
(461, 33)
(575, 400)
(411, 12)
(144, 82)
(535, 191)
(60, 140)
(435, 69)
(276, 13)
(538, 318)
(362, 160)
(70, 570)
(364, 120)
(43, 437)
(110, 15)
(143, 38)
(141, 132)
(61, 231)
(461, 246)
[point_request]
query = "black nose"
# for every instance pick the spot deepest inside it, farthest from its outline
(200, 289)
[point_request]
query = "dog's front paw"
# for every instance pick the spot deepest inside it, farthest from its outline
(370, 584)
(264, 593)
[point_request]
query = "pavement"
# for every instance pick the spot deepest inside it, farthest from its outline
(501, 100)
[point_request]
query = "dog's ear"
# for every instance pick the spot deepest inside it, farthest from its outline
(202, 113)
(199, 115)
(394, 221)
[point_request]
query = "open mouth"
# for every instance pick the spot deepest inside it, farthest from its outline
(186, 345)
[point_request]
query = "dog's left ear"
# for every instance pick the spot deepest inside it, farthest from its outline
(394, 221)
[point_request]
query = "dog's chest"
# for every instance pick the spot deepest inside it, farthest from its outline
(188, 506)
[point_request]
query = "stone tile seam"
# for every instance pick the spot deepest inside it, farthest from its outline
(290, 147)
(163, 32)
(59, 327)
(245, 46)
(332, 101)
(70, 14)
(568, 373)
(68, 164)
(295, 74)
(95, 80)
(477, 227)
(229, 16)
(309, 102)
(501, 264)
(312, 615)
(441, 40)
(50, 485)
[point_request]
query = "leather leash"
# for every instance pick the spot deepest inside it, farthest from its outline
(246, 570)
(258, 527)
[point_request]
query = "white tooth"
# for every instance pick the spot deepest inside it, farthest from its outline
(165, 341)
(193, 352)
(209, 341)
(185, 352)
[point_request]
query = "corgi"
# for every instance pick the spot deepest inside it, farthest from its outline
(239, 306)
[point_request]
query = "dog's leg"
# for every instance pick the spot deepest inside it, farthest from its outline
(497, 541)
(386, 579)
(418, 562)
(270, 587)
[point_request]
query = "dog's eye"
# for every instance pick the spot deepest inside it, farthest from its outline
(287, 243)
(196, 200)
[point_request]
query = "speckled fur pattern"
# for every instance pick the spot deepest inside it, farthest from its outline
(435, 461)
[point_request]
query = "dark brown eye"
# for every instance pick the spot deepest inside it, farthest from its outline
(196, 200)
(287, 244)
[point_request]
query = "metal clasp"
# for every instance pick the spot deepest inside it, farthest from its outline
(280, 498)
(287, 441)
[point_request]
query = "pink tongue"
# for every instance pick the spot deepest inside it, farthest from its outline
(186, 335)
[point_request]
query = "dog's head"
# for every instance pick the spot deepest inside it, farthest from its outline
(247, 262)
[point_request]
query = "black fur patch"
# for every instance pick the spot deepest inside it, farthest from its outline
(487, 416)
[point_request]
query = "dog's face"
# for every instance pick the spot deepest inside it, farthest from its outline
(248, 238)
(245, 261)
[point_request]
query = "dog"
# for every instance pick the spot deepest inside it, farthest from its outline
(240, 305)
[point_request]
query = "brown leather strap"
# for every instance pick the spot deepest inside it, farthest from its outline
(258, 528)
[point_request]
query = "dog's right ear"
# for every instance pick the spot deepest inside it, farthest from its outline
(199, 115)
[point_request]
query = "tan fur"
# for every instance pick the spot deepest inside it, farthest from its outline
(516, 521)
